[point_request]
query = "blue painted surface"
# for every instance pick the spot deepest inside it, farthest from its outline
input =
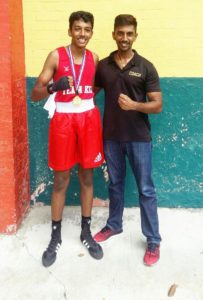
(177, 152)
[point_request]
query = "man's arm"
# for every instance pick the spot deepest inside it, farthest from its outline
(96, 86)
(42, 89)
(152, 106)
(39, 91)
(96, 61)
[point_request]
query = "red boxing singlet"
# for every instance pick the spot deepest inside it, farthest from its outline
(64, 69)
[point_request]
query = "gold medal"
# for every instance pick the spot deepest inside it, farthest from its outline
(77, 100)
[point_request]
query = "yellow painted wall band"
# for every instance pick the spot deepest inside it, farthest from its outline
(170, 33)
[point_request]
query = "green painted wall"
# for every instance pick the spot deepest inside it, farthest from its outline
(177, 152)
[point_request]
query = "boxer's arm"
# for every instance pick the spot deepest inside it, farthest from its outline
(39, 91)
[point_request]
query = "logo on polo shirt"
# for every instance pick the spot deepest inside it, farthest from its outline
(135, 74)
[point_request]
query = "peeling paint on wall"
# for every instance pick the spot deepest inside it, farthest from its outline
(105, 173)
(12, 228)
(97, 202)
(40, 189)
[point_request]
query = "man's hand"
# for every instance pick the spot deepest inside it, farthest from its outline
(152, 106)
(126, 103)
(64, 83)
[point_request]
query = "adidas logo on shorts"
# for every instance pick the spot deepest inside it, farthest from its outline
(98, 158)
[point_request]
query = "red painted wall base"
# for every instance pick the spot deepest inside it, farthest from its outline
(14, 161)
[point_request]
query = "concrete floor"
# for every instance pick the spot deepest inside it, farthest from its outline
(120, 275)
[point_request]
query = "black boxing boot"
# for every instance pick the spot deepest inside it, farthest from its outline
(95, 250)
(49, 255)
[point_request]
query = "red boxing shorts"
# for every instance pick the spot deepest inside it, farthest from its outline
(75, 138)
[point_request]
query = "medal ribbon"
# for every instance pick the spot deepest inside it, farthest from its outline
(76, 81)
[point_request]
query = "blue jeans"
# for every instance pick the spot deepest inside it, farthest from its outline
(140, 159)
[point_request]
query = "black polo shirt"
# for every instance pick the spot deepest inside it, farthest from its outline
(137, 79)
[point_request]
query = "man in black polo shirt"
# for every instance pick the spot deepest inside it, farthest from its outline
(132, 91)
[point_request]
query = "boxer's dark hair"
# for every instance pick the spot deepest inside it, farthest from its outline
(78, 15)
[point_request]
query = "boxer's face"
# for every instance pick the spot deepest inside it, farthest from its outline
(81, 32)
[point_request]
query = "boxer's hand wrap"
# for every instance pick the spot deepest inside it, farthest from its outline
(59, 85)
